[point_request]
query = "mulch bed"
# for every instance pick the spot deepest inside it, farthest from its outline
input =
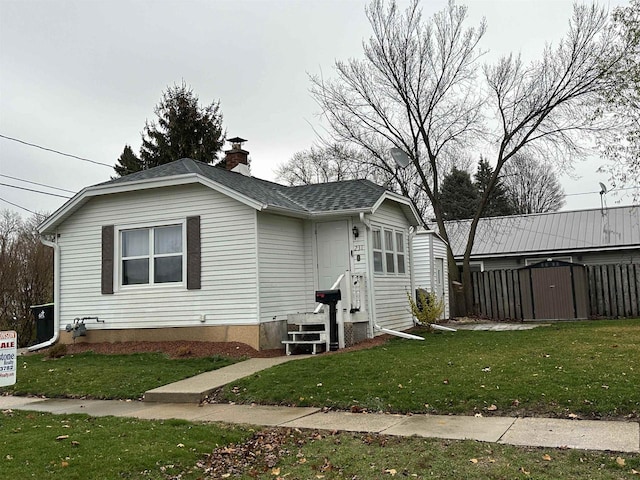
(189, 349)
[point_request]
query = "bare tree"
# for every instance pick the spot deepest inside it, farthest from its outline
(550, 106)
(417, 89)
(532, 186)
(622, 101)
(413, 90)
(330, 163)
(26, 274)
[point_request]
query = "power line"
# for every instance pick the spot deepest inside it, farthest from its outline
(35, 191)
(16, 205)
(55, 151)
(589, 193)
(36, 183)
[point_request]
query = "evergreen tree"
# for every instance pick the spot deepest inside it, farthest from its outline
(128, 162)
(183, 129)
(458, 195)
(499, 203)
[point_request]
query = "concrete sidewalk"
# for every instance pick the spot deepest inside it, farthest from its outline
(539, 432)
(195, 389)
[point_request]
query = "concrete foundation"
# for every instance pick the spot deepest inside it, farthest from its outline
(265, 336)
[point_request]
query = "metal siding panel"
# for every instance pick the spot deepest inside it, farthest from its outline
(553, 293)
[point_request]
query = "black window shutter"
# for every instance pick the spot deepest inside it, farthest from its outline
(193, 253)
(107, 259)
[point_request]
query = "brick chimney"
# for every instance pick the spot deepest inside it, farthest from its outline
(236, 155)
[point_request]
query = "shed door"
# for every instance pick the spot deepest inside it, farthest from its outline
(552, 292)
(332, 239)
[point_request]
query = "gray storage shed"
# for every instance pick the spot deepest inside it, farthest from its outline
(554, 290)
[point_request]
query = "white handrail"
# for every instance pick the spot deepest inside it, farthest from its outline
(333, 287)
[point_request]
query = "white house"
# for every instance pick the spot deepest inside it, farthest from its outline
(430, 269)
(191, 251)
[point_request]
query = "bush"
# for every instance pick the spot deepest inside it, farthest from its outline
(428, 309)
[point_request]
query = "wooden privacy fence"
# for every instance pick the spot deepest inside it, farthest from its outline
(496, 294)
(613, 291)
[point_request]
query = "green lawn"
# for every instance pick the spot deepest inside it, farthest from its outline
(589, 369)
(42, 445)
(104, 376)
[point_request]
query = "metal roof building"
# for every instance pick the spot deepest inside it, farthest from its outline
(610, 235)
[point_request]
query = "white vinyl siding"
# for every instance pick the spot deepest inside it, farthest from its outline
(229, 270)
(428, 251)
(390, 289)
(284, 286)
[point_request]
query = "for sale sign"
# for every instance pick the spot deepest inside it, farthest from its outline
(8, 357)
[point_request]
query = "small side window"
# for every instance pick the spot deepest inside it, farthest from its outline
(377, 251)
(400, 252)
(388, 251)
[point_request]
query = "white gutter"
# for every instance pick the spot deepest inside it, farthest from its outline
(56, 296)
(412, 279)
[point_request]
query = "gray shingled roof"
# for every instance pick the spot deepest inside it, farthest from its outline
(580, 230)
(325, 197)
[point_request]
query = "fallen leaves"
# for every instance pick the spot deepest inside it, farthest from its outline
(546, 457)
(620, 461)
(259, 454)
(62, 437)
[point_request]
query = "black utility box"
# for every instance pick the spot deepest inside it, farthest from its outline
(43, 315)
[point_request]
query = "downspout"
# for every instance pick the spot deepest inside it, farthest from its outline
(56, 296)
(432, 265)
(369, 252)
(412, 280)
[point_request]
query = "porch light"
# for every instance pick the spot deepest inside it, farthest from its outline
(356, 232)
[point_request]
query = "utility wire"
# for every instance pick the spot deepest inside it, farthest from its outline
(36, 183)
(35, 191)
(588, 193)
(55, 151)
(16, 205)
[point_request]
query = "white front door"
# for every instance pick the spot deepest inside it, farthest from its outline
(332, 239)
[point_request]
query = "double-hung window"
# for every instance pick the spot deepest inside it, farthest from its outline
(153, 255)
(388, 251)
(400, 252)
(378, 267)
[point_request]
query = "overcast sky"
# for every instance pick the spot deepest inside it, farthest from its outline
(81, 77)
